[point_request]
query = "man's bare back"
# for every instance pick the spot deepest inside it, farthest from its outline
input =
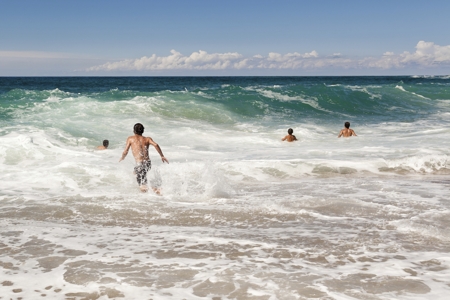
(289, 138)
(139, 147)
(347, 132)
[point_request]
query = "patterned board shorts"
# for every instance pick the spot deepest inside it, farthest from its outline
(141, 171)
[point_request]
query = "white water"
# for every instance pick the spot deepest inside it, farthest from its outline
(242, 215)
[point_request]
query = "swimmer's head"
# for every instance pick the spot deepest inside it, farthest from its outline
(347, 125)
(138, 128)
(106, 143)
(290, 131)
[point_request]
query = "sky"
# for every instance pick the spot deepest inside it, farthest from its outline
(224, 38)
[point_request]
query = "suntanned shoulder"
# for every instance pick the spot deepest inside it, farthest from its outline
(346, 132)
(289, 138)
(150, 140)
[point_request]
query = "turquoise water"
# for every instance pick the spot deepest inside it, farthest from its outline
(242, 214)
(369, 99)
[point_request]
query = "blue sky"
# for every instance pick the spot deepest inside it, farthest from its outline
(206, 37)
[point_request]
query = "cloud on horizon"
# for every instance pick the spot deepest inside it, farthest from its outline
(42, 63)
(427, 54)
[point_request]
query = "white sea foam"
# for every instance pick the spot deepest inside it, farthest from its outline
(412, 93)
(364, 89)
(311, 101)
(242, 214)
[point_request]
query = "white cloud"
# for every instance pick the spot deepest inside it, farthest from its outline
(40, 63)
(34, 55)
(427, 54)
(200, 60)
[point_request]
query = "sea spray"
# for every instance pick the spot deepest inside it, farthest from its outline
(241, 214)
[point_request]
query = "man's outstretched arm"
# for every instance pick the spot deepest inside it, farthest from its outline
(152, 142)
(125, 151)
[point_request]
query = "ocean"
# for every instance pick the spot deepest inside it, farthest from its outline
(242, 214)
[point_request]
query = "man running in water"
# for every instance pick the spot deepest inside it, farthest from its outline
(139, 147)
(347, 132)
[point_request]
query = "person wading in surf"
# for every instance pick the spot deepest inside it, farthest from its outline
(290, 137)
(347, 132)
(105, 145)
(139, 147)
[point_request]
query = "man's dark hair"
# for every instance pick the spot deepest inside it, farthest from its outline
(138, 128)
(347, 125)
(106, 143)
(290, 131)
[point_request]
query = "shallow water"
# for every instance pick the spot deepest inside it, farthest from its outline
(242, 215)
